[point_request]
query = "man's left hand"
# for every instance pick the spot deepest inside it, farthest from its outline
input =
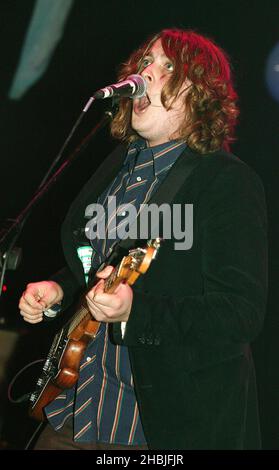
(109, 308)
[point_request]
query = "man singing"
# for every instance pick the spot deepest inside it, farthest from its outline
(171, 367)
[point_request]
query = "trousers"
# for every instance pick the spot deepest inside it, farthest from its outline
(50, 439)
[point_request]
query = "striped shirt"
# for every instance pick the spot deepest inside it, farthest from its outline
(103, 403)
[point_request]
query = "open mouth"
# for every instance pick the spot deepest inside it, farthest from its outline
(142, 104)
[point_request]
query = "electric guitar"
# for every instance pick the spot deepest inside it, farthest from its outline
(61, 368)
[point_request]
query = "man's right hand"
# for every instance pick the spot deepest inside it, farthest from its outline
(37, 297)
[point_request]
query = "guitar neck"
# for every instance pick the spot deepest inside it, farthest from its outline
(112, 281)
(83, 314)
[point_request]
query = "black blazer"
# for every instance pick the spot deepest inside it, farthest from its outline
(195, 311)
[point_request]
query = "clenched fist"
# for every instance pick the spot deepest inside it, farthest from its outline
(37, 297)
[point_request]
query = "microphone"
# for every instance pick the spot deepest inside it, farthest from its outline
(133, 87)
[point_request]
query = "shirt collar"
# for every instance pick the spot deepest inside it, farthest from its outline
(164, 155)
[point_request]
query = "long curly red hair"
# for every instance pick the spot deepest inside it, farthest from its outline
(211, 102)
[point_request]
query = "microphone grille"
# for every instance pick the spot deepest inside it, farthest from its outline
(140, 84)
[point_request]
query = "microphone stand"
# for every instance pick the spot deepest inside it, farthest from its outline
(10, 236)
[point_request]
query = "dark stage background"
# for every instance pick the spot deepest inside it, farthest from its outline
(97, 37)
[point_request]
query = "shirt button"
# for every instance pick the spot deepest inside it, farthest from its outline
(138, 178)
(88, 359)
(123, 213)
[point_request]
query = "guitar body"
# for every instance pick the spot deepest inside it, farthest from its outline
(61, 368)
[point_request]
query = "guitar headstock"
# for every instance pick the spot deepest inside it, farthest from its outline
(131, 266)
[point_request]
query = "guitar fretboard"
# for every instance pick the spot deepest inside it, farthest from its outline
(79, 316)
(83, 313)
(111, 279)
